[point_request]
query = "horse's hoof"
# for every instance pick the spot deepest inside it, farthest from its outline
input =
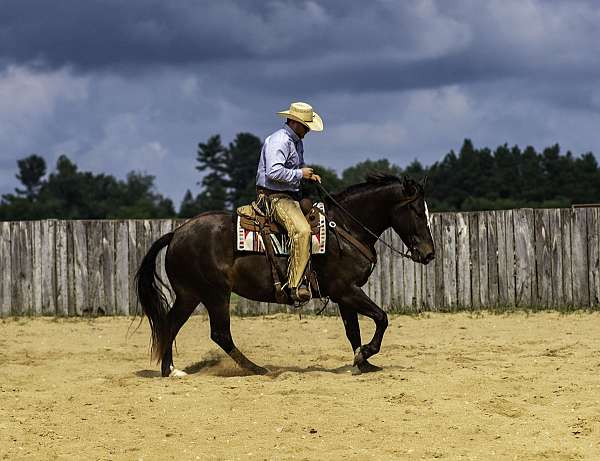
(356, 371)
(358, 357)
(366, 367)
(175, 373)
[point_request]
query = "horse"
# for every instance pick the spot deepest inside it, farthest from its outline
(203, 267)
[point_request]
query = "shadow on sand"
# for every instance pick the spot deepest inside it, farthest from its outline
(147, 373)
(217, 365)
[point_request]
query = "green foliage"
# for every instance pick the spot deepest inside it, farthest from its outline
(71, 194)
(478, 179)
(359, 172)
(31, 171)
(242, 159)
(472, 179)
(230, 178)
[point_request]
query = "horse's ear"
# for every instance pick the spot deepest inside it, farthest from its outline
(409, 186)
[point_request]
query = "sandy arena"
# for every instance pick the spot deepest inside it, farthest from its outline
(454, 386)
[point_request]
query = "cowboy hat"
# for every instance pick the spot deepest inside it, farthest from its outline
(303, 113)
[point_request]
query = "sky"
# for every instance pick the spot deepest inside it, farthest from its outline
(120, 86)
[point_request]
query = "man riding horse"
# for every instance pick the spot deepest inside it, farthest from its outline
(280, 171)
(203, 265)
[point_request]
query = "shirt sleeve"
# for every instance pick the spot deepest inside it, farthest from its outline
(275, 157)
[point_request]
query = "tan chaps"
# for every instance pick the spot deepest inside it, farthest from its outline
(287, 212)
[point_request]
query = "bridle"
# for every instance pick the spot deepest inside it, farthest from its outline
(407, 202)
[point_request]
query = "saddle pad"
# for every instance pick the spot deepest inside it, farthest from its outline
(248, 240)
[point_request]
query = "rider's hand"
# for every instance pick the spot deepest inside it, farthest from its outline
(316, 177)
(307, 173)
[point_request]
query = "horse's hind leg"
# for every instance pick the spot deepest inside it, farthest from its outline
(220, 333)
(177, 316)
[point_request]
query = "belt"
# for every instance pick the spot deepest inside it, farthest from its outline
(268, 192)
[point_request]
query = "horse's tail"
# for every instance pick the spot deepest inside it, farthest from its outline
(150, 295)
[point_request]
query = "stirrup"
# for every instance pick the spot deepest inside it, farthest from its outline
(300, 294)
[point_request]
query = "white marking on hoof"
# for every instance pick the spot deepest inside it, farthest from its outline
(175, 373)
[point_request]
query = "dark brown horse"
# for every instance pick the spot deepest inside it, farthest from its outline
(203, 267)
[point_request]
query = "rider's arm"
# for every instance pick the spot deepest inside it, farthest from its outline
(275, 158)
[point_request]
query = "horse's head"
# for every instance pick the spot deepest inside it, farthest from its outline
(411, 221)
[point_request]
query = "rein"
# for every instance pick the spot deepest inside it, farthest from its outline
(365, 228)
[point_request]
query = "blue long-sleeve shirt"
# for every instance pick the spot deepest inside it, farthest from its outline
(281, 160)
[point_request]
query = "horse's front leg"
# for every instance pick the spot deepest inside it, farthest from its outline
(351, 302)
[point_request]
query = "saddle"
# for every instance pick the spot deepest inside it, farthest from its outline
(256, 232)
(253, 218)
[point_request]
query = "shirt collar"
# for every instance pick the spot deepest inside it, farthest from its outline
(292, 133)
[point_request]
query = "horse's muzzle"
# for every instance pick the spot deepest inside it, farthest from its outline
(429, 257)
(419, 257)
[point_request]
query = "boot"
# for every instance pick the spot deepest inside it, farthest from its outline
(300, 294)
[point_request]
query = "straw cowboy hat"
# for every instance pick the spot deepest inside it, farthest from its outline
(303, 113)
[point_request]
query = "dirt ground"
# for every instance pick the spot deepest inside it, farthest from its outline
(454, 386)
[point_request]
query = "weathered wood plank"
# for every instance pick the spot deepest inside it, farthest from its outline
(96, 302)
(449, 260)
(524, 256)
(567, 270)
(397, 277)
(510, 257)
(543, 258)
(386, 271)
(502, 258)
(579, 262)
(132, 266)
(17, 307)
(408, 277)
(492, 255)
(108, 266)
(474, 257)
(463, 260)
(36, 270)
(439, 261)
(556, 252)
(418, 287)
(593, 231)
(143, 240)
(6, 264)
(25, 231)
(62, 269)
(429, 288)
(122, 280)
(482, 245)
(71, 268)
(49, 266)
(80, 268)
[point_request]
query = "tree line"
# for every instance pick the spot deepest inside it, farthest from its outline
(470, 179)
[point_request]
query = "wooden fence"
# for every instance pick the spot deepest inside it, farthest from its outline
(495, 259)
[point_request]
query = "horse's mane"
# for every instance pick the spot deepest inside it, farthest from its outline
(374, 180)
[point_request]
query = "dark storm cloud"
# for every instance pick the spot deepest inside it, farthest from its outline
(320, 45)
(96, 34)
(339, 43)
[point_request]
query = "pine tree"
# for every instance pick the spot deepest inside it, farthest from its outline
(31, 171)
(212, 158)
(242, 159)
